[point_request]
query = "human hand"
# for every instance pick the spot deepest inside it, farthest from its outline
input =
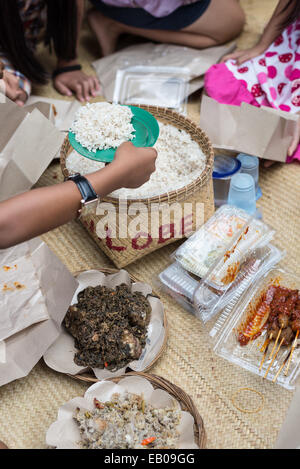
(10, 85)
(242, 56)
(133, 166)
(83, 86)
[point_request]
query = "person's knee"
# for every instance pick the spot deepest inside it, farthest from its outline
(237, 22)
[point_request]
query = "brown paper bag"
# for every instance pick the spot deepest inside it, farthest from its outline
(28, 143)
(60, 112)
(158, 55)
(54, 289)
(263, 132)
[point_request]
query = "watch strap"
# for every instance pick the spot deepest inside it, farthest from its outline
(86, 190)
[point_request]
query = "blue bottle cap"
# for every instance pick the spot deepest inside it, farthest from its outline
(225, 166)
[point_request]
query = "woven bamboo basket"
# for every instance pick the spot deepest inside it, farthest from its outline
(89, 376)
(185, 401)
(123, 251)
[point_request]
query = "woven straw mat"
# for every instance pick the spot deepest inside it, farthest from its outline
(30, 405)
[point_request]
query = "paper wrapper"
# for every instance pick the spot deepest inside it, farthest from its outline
(28, 143)
(263, 132)
(30, 322)
(61, 112)
(60, 356)
(22, 300)
(65, 434)
(196, 61)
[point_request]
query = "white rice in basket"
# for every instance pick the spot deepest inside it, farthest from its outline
(180, 161)
(99, 126)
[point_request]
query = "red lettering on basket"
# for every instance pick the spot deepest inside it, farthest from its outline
(109, 243)
(139, 247)
(165, 230)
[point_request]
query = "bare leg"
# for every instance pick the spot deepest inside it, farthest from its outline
(222, 21)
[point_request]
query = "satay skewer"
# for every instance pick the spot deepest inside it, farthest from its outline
(275, 355)
(266, 346)
(282, 366)
(263, 358)
(274, 346)
(291, 354)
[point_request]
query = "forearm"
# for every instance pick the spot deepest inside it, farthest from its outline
(40, 210)
(274, 27)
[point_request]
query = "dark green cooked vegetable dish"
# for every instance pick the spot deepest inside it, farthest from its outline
(109, 326)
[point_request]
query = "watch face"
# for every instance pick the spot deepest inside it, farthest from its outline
(89, 208)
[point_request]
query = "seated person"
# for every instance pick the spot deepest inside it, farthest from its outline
(192, 23)
(22, 24)
(267, 74)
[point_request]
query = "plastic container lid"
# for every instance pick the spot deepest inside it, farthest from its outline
(225, 166)
(158, 86)
(146, 134)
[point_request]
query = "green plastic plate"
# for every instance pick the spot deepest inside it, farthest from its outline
(146, 134)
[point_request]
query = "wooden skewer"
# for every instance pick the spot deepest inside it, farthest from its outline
(266, 342)
(282, 366)
(291, 354)
(273, 349)
(263, 359)
(275, 355)
(264, 349)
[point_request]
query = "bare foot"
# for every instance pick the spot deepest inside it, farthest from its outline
(106, 30)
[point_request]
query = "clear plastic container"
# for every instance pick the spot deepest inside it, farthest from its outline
(225, 167)
(210, 301)
(250, 165)
(215, 252)
(225, 237)
(180, 285)
(198, 297)
(242, 192)
(158, 86)
(237, 316)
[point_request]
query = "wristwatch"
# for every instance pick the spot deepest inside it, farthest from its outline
(89, 199)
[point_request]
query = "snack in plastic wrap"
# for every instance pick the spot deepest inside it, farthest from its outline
(260, 331)
(223, 241)
(198, 254)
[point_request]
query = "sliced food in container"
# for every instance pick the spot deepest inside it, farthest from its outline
(200, 252)
(209, 301)
(260, 331)
(228, 266)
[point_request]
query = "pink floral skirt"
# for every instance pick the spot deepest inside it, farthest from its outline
(271, 79)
